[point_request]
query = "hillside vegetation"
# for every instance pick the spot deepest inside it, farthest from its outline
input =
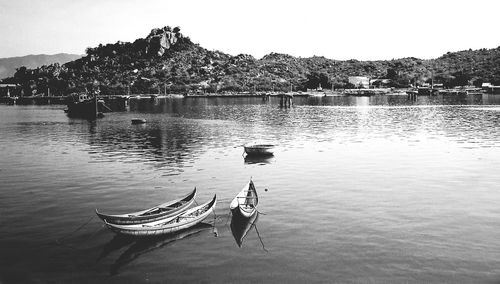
(9, 65)
(167, 61)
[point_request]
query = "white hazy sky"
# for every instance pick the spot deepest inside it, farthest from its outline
(354, 29)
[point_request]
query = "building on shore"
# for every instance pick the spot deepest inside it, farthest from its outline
(9, 90)
(380, 83)
(490, 88)
(360, 82)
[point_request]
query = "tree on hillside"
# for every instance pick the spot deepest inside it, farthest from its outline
(315, 79)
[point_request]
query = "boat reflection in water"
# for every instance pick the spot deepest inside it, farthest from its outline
(144, 245)
(240, 226)
(251, 159)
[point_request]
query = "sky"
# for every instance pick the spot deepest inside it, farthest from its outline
(342, 30)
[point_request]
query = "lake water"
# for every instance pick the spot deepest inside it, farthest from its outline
(360, 190)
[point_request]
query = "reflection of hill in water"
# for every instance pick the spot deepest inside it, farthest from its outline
(397, 100)
(164, 146)
(142, 246)
(177, 131)
(170, 142)
(180, 130)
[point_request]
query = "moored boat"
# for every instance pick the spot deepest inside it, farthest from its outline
(162, 211)
(169, 225)
(138, 120)
(259, 149)
(245, 202)
(85, 106)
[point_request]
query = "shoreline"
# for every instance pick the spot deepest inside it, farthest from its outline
(47, 100)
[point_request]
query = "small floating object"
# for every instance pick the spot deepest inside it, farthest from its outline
(259, 149)
(138, 121)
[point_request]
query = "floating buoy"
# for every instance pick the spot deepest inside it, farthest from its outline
(138, 121)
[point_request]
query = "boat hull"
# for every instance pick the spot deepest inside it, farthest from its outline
(259, 150)
(170, 225)
(245, 202)
(244, 212)
(162, 211)
(86, 109)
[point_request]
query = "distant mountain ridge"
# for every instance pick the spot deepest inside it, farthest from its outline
(9, 65)
(167, 61)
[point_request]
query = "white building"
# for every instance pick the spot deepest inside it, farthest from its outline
(360, 81)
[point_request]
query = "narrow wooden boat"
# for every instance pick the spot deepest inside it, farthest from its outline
(168, 225)
(246, 201)
(165, 210)
(240, 226)
(259, 149)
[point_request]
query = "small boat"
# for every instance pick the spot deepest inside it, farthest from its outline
(259, 149)
(241, 226)
(169, 225)
(162, 211)
(85, 106)
(138, 121)
(246, 201)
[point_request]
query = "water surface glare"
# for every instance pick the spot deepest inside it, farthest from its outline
(369, 190)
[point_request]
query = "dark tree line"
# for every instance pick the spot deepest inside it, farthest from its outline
(148, 66)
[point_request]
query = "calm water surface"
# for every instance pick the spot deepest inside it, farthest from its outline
(369, 190)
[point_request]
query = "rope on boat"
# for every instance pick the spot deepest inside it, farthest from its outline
(261, 242)
(260, 212)
(214, 230)
(58, 241)
(79, 228)
(95, 232)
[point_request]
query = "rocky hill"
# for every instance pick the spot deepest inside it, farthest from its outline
(167, 61)
(9, 65)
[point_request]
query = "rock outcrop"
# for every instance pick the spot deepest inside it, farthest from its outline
(161, 40)
(169, 61)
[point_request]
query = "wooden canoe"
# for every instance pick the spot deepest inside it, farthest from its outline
(165, 210)
(169, 225)
(246, 201)
(259, 149)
